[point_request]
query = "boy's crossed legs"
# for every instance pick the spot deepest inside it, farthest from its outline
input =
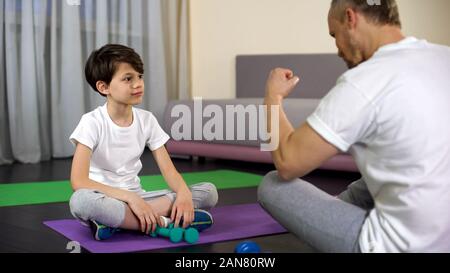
(90, 205)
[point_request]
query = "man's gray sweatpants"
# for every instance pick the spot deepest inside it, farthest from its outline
(88, 205)
(326, 223)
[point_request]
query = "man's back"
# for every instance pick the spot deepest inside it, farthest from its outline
(403, 149)
(390, 112)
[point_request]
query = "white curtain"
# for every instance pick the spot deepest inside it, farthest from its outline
(43, 48)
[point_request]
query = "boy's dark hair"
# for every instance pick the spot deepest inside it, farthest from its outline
(380, 12)
(102, 63)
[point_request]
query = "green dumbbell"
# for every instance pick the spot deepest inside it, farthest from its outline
(191, 235)
(176, 235)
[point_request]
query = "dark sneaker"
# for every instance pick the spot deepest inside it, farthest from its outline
(100, 231)
(202, 220)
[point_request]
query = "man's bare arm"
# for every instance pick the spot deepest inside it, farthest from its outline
(301, 150)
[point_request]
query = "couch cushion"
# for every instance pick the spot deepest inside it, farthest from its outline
(318, 73)
(340, 162)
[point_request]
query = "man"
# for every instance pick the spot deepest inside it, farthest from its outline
(390, 112)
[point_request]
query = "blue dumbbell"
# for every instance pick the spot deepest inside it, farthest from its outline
(247, 247)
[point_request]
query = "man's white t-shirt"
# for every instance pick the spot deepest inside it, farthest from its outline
(116, 150)
(392, 113)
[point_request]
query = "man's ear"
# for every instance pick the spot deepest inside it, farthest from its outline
(102, 87)
(351, 18)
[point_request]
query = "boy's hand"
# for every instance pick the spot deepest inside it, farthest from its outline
(144, 212)
(183, 207)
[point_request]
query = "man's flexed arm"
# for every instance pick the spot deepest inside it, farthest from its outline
(301, 150)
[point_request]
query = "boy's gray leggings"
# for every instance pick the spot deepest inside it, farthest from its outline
(88, 205)
(326, 223)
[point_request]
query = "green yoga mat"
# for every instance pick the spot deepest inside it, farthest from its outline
(60, 191)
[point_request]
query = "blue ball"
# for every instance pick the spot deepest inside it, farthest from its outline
(247, 247)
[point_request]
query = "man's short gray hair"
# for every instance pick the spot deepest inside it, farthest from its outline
(380, 12)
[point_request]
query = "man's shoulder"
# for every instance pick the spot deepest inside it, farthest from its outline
(368, 79)
(377, 68)
(395, 60)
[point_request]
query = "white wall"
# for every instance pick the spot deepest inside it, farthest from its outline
(222, 29)
(427, 19)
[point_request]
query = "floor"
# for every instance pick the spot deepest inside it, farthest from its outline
(21, 228)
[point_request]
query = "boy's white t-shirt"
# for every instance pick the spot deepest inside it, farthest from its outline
(116, 150)
(392, 113)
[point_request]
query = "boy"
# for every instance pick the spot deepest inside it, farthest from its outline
(109, 143)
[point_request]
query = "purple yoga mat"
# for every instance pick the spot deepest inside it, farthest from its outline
(230, 223)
